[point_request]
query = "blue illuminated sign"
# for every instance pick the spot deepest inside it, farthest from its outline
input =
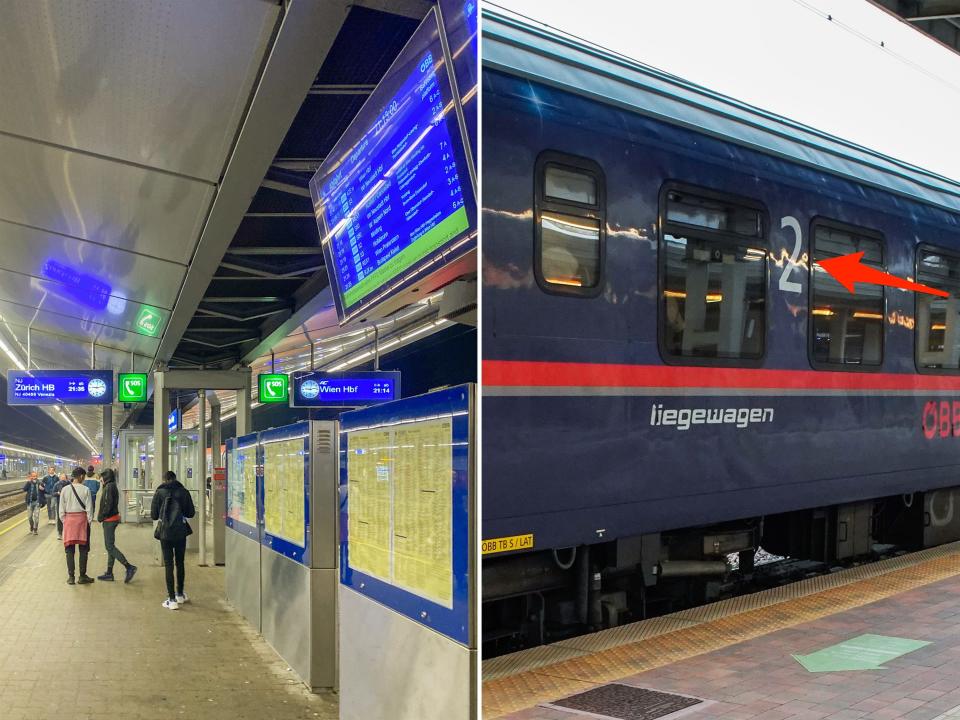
(84, 288)
(344, 389)
(52, 387)
(395, 201)
(173, 420)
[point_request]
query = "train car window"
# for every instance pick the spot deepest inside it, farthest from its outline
(938, 318)
(569, 217)
(714, 276)
(846, 329)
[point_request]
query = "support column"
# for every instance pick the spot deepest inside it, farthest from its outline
(244, 417)
(161, 433)
(107, 446)
(202, 433)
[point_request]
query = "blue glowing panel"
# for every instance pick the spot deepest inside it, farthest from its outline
(344, 389)
(173, 420)
(51, 387)
(394, 201)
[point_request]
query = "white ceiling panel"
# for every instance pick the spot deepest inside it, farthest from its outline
(80, 332)
(38, 253)
(96, 199)
(161, 83)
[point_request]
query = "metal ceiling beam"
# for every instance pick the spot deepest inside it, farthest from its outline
(935, 10)
(324, 89)
(288, 188)
(241, 299)
(303, 40)
(310, 165)
(286, 250)
(279, 215)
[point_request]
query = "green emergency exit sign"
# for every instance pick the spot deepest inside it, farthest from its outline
(274, 388)
(132, 387)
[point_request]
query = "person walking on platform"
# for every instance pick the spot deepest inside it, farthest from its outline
(109, 517)
(76, 512)
(57, 489)
(49, 480)
(34, 499)
(172, 505)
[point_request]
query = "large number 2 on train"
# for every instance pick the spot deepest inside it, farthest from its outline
(786, 284)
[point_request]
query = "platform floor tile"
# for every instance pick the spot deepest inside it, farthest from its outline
(743, 662)
(109, 650)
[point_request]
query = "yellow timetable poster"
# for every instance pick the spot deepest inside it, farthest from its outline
(368, 523)
(246, 459)
(422, 509)
(283, 491)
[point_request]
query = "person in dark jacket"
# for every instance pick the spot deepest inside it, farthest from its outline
(34, 499)
(172, 505)
(49, 480)
(109, 518)
(93, 484)
(57, 489)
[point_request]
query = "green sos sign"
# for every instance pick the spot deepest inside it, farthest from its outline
(132, 387)
(274, 388)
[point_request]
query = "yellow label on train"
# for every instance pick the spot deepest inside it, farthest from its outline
(506, 544)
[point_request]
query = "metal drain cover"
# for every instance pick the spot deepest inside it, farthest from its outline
(625, 702)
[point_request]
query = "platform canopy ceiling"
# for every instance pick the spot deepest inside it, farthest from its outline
(133, 137)
(940, 19)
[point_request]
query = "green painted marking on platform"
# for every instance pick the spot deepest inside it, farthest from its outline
(866, 652)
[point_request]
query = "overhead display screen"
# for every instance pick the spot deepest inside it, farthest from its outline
(52, 387)
(394, 201)
(345, 389)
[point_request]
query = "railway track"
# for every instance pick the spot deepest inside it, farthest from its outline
(11, 504)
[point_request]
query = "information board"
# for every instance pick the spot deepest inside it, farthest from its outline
(242, 493)
(54, 387)
(284, 497)
(344, 389)
(405, 472)
(394, 200)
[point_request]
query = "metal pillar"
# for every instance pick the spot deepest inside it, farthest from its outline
(107, 447)
(202, 432)
(161, 433)
(244, 417)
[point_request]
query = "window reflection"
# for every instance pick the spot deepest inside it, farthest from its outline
(938, 334)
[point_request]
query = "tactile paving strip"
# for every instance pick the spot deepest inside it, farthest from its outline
(525, 679)
(625, 702)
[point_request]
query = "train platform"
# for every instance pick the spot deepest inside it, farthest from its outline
(109, 650)
(879, 641)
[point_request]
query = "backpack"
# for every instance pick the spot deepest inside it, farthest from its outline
(172, 526)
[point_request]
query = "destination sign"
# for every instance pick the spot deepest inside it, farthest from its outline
(344, 389)
(52, 387)
(398, 193)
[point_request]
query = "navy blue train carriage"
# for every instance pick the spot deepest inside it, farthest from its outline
(668, 378)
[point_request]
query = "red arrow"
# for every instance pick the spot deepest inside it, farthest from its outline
(848, 270)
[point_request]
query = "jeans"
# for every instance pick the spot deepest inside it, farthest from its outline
(109, 542)
(84, 552)
(52, 502)
(173, 550)
(34, 509)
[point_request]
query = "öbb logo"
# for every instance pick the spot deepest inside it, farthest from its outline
(941, 419)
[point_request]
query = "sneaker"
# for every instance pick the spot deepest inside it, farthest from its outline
(171, 604)
(71, 581)
(59, 537)
(131, 571)
(106, 577)
(84, 580)
(181, 599)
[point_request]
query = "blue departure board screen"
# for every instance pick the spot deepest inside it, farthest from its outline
(394, 200)
(52, 387)
(344, 389)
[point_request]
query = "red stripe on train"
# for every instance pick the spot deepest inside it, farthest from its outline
(563, 374)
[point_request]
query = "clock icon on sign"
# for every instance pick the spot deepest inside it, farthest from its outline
(97, 388)
(310, 389)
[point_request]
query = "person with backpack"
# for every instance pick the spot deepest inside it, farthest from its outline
(76, 512)
(109, 517)
(34, 499)
(172, 505)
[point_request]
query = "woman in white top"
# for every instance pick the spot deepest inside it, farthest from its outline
(76, 513)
